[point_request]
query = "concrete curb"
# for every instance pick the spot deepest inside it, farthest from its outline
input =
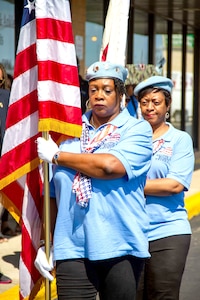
(192, 197)
(192, 204)
(12, 293)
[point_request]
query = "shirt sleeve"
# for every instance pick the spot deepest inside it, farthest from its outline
(182, 162)
(134, 149)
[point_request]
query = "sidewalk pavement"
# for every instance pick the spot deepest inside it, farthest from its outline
(9, 263)
(10, 251)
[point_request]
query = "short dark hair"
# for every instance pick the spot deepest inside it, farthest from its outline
(120, 87)
(148, 90)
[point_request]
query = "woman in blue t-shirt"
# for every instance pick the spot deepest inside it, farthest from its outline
(169, 176)
(100, 238)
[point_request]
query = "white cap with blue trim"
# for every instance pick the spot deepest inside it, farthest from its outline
(104, 69)
(160, 82)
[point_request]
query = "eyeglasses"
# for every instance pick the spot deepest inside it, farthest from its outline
(2, 81)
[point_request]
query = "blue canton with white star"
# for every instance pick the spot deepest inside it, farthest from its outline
(28, 12)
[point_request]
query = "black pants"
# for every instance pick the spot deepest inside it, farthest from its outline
(114, 279)
(162, 273)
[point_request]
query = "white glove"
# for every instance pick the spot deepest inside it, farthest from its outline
(43, 265)
(46, 149)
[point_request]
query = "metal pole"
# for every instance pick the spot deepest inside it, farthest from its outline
(47, 220)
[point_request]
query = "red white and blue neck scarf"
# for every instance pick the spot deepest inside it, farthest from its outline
(82, 183)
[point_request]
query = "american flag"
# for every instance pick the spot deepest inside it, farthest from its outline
(45, 96)
(113, 47)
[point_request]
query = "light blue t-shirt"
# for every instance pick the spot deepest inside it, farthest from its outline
(115, 223)
(173, 158)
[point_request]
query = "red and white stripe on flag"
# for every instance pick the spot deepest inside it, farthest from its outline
(113, 47)
(58, 81)
(45, 88)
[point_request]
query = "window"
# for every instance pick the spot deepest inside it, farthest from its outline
(7, 32)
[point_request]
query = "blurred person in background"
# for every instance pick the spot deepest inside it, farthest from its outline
(136, 74)
(83, 89)
(4, 100)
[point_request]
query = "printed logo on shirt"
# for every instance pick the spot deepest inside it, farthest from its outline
(163, 158)
(161, 152)
(164, 154)
(111, 142)
(166, 151)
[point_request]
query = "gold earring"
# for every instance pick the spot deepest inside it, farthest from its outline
(87, 104)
